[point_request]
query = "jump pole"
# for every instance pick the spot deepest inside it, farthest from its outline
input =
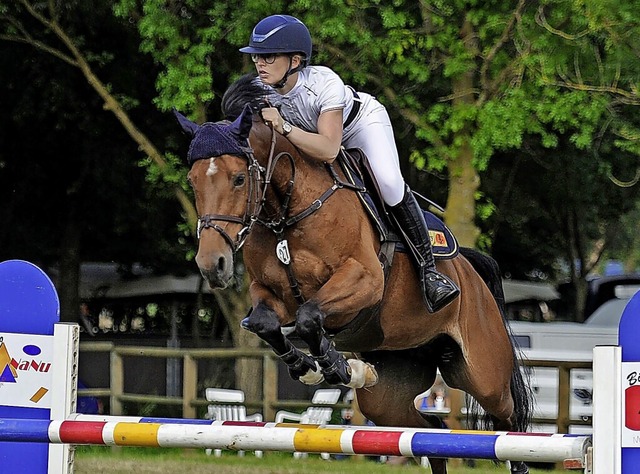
(247, 436)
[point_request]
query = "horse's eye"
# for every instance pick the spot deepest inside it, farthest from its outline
(239, 180)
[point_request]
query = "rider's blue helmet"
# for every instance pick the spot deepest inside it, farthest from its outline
(280, 34)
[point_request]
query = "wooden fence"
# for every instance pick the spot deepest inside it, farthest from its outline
(270, 402)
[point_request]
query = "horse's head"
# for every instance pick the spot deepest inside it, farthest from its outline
(221, 166)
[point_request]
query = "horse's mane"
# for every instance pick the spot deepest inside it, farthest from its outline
(243, 91)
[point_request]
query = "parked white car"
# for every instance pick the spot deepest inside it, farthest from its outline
(567, 341)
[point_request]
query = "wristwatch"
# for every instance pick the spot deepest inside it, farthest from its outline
(286, 128)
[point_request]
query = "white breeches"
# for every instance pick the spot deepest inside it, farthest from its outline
(373, 134)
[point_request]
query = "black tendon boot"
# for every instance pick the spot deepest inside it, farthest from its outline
(437, 290)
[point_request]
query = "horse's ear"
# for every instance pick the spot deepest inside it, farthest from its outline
(242, 125)
(187, 125)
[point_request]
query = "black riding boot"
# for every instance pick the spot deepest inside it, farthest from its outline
(437, 290)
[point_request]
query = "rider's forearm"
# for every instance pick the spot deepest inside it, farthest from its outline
(314, 145)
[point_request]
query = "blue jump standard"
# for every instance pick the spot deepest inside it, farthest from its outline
(29, 305)
(628, 340)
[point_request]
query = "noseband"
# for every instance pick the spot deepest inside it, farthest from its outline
(208, 221)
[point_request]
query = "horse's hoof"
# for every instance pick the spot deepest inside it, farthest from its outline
(244, 324)
(312, 377)
(518, 467)
(363, 374)
(371, 375)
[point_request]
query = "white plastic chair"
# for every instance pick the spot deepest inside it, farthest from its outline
(319, 414)
(228, 406)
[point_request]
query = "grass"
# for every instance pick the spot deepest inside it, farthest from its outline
(105, 460)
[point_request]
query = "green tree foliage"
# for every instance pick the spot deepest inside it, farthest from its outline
(71, 182)
(463, 80)
(582, 59)
(547, 88)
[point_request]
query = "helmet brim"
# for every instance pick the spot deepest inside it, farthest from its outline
(252, 50)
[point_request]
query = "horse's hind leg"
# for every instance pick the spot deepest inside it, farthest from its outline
(490, 384)
(403, 375)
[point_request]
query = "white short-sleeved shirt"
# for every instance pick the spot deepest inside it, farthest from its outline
(317, 90)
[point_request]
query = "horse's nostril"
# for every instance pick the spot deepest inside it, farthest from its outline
(222, 262)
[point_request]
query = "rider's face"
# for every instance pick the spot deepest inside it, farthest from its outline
(271, 73)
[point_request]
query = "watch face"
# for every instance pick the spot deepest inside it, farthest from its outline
(286, 128)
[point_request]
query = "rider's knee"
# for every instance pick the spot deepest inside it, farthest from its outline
(391, 188)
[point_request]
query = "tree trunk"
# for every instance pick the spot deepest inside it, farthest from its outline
(461, 204)
(249, 373)
(69, 278)
(464, 180)
(581, 288)
(235, 306)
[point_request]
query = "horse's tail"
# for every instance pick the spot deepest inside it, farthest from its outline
(521, 392)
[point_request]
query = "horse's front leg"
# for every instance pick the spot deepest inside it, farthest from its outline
(351, 289)
(265, 323)
(309, 326)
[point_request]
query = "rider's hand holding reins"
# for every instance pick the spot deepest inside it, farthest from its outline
(272, 117)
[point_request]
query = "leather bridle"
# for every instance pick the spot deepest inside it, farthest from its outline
(259, 179)
(253, 207)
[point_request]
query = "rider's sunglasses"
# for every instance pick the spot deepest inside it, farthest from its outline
(267, 58)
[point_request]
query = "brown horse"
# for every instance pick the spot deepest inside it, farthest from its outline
(313, 257)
